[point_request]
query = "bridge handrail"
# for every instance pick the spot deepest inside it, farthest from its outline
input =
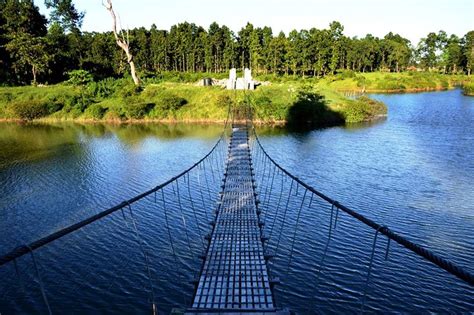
(402, 240)
(25, 249)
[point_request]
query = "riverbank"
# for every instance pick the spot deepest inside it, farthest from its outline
(117, 101)
(468, 89)
(332, 100)
(380, 82)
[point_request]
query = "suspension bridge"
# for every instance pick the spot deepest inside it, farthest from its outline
(238, 231)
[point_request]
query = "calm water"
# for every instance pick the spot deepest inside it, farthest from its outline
(412, 172)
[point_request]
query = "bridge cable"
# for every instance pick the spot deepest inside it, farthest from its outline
(23, 249)
(284, 218)
(193, 209)
(142, 244)
(321, 264)
(40, 280)
(201, 194)
(277, 208)
(366, 286)
(268, 192)
(296, 228)
(165, 211)
(180, 207)
(417, 249)
(207, 182)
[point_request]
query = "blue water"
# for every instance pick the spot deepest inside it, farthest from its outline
(412, 171)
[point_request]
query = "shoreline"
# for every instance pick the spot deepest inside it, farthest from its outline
(398, 91)
(139, 121)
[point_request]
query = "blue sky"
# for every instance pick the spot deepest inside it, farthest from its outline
(412, 19)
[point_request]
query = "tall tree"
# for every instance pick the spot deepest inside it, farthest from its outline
(451, 57)
(468, 51)
(335, 31)
(65, 13)
(28, 52)
(23, 29)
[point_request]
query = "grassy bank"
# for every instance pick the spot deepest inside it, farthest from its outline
(468, 88)
(116, 100)
(172, 97)
(380, 82)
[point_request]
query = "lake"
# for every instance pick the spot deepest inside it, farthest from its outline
(412, 172)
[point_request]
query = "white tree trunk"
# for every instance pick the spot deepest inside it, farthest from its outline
(122, 42)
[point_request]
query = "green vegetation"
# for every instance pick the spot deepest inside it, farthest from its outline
(304, 104)
(310, 70)
(33, 49)
(468, 88)
(392, 82)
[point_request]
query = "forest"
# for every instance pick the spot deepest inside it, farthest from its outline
(35, 50)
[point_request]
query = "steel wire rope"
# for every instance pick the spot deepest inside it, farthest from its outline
(441, 262)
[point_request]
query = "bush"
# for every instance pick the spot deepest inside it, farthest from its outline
(79, 77)
(345, 74)
(363, 109)
(114, 114)
(137, 110)
(56, 102)
(29, 110)
(6, 97)
(104, 88)
(224, 101)
(361, 81)
(95, 111)
(468, 88)
(128, 90)
(171, 102)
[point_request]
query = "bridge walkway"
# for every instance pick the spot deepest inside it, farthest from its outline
(234, 277)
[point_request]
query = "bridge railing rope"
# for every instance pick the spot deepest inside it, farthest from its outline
(25, 249)
(309, 233)
(441, 262)
(180, 208)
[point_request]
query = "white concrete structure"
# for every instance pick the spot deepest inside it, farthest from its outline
(245, 83)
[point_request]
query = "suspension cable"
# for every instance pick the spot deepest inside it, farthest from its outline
(443, 263)
(24, 249)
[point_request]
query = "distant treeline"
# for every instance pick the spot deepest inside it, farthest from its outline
(35, 49)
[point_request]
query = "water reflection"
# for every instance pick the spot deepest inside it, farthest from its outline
(28, 142)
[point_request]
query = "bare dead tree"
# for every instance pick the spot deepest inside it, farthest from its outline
(122, 41)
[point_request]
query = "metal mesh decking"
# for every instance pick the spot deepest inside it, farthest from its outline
(234, 276)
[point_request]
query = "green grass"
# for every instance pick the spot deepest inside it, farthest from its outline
(306, 101)
(468, 88)
(392, 82)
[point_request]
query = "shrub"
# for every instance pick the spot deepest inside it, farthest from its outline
(137, 110)
(362, 109)
(29, 110)
(224, 101)
(77, 110)
(114, 114)
(103, 88)
(55, 103)
(95, 111)
(128, 90)
(361, 81)
(79, 77)
(6, 97)
(468, 88)
(171, 102)
(345, 74)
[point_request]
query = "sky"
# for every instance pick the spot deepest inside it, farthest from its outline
(413, 19)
